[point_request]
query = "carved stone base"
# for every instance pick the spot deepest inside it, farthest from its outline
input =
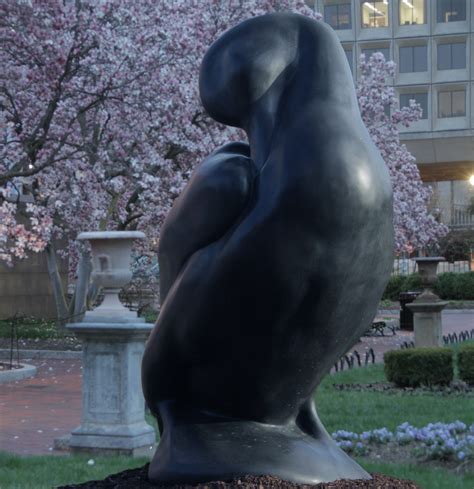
(427, 323)
(113, 409)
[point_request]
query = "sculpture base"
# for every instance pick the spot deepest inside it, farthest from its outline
(133, 478)
(198, 447)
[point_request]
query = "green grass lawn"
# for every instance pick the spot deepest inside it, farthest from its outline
(45, 472)
(354, 411)
(360, 411)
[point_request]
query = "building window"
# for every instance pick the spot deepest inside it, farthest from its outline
(452, 103)
(370, 51)
(374, 13)
(419, 98)
(452, 56)
(412, 12)
(413, 59)
(451, 10)
(349, 58)
(338, 15)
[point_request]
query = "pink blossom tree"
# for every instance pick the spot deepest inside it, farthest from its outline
(101, 124)
(100, 118)
(415, 227)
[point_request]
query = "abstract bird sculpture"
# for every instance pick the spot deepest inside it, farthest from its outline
(272, 262)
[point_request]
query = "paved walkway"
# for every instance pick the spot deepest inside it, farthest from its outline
(454, 321)
(33, 412)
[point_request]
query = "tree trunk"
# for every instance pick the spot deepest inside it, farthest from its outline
(57, 286)
(84, 269)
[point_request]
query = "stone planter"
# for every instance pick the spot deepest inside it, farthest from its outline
(427, 307)
(111, 254)
(113, 409)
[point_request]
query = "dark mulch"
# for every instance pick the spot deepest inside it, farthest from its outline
(455, 388)
(137, 479)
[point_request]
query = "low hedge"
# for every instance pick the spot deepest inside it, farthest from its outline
(449, 286)
(401, 283)
(413, 367)
(466, 363)
(455, 286)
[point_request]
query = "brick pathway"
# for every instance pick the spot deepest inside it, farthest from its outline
(33, 412)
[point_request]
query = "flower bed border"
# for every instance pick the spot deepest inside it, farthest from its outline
(25, 372)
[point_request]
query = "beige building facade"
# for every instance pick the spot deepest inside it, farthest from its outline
(432, 43)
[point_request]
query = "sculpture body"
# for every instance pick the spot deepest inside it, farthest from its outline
(273, 261)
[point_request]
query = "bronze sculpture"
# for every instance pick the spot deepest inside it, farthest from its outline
(272, 262)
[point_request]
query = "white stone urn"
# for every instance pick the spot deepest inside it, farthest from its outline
(111, 257)
(427, 307)
(113, 407)
(427, 268)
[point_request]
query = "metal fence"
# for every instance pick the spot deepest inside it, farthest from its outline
(462, 217)
(406, 266)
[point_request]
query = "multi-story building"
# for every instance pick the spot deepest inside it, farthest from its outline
(432, 43)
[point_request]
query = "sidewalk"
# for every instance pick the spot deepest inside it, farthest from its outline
(454, 321)
(33, 412)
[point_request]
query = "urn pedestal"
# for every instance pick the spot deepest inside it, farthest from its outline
(113, 408)
(428, 307)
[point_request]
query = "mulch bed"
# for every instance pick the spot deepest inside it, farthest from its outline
(138, 479)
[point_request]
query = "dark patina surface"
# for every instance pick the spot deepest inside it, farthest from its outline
(272, 262)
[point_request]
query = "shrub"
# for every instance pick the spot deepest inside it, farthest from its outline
(455, 286)
(465, 285)
(394, 287)
(466, 363)
(412, 282)
(401, 283)
(456, 245)
(419, 366)
(449, 286)
(445, 286)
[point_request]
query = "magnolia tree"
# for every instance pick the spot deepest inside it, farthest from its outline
(101, 125)
(100, 118)
(415, 227)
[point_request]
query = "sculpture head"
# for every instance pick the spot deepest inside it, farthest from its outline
(252, 63)
(243, 64)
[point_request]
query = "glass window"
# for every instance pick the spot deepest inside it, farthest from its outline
(349, 58)
(370, 51)
(452, 56)
(451, 10)
(374, 13)
(413, 58)
(412, 12)
(419, 98)
(338, 15)
(458, 103)
(452, 103)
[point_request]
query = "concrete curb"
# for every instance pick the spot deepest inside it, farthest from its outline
(24, 372)
(38, 354)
